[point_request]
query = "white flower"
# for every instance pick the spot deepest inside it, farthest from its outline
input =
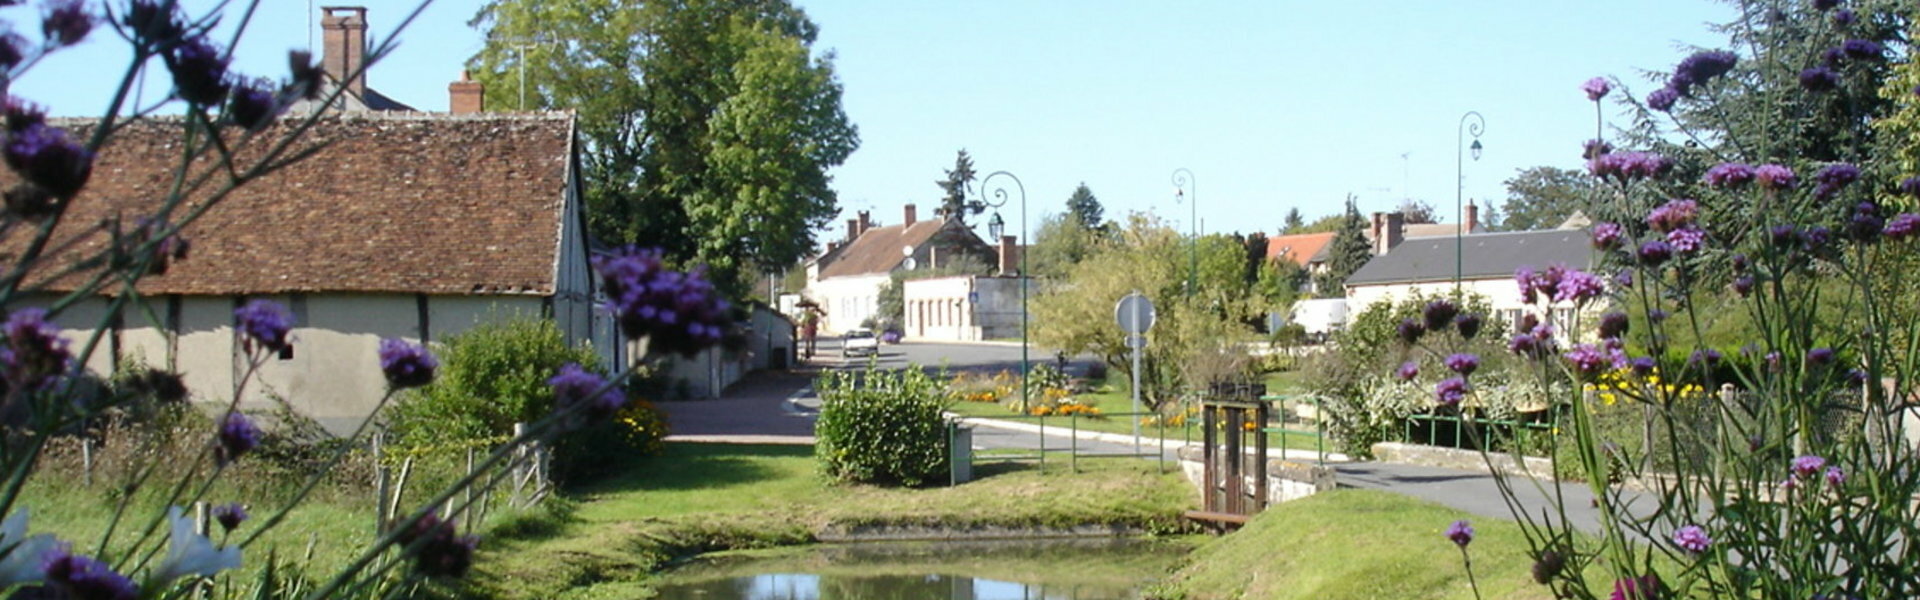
(20, 553)
(190, 553)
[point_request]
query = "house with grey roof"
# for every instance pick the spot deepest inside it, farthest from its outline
(1485, 264)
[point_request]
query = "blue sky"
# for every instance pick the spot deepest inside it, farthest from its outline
(1271, 105)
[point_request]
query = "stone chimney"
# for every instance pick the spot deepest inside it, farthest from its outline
(1473, 217)
(853, 229)
(1009, 256)
(866, 222)
(1379, 218)
(344, 53)
(466, 95)
(911, 215)
(1391, 228)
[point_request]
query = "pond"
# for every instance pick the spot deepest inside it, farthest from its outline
(998, 570)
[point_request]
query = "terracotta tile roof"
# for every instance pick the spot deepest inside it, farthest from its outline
(878, 249)
(407, 203)
(1300, 248)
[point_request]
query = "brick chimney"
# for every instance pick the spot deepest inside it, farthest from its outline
(910, 216)
(1009, 256)
(1391, 228)
(853, 229)
(866, 222)
(1473, 217)
(344, 35)
(466, 95)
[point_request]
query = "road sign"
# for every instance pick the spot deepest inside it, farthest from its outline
(1136, 341)
(1134, 313)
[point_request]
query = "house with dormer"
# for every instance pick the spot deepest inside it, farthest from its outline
(845, 281)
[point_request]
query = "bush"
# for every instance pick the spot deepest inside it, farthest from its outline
(882, 426)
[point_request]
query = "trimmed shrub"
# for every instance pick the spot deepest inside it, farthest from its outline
(883, 426)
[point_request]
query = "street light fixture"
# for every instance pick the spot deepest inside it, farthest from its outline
(1478, 126)
(1184, 186)
(996, 226)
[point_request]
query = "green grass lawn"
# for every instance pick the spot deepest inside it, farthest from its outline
(1115, 404)
(710, 497)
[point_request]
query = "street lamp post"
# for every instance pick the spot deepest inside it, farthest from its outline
(1478, 126)
(996, 225)
(1184, 187)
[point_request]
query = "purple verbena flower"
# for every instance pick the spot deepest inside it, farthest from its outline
(1623, 279)
(1463, 363)
(66, 22)
(155, 21)
(1450, 391)
(1613, 325)
(1587, 359)
(264, 322)
(1815, 238)
(1606, 236)
(1739, 263)
(84, 577)
(230, 516)
(1655, 252)
(34, 354)
(42, 154)
(1692, 539)
(1700, 68)
(1836, 477)
(1596, 88)
(1644, 587)
(1856, 377)
(1663, 99)
(1642, 365)
(1410, 330)
(1820, 357)
(1864, 224)
(1806, 466)
(1407, 371)
(1579, 286)
(199, 72)
(1902, 226)
(1468, 324)
(1461, 532)
(1524, 277)
(437, 550)
(1439, 314)
(577, 389)
(1729, 175)
(1705, 356)
(1864, 50)
(1825, 5)
(1676, 213)
(1774, 177)
(1773, 361)
(11, 50)
(1911, 185)
(1743, 285)
(1834, 177)
(1592, 149)
(237, 436)
(1844, 18)
(1819, 79)
(406, 364)
(253, 104)
(674, 311)
(1832, 57)
(1687, 240)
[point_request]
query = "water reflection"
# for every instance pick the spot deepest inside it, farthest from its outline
(800, 586)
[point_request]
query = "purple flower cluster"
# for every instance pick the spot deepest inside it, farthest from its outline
(1450, 391)
(1613, 325)
(1410, 330)
(1867, 50)
(1407, 371)
(230, 515)
(1596, 88)
(1463, 363)
(254, 104)
(1461, 532)
(406, 364)
(1627, 167)
(1676, 213)
(1468, 324)
(1705, 356)
(577, 389)
(1687, 240)
(1728, 175)
(264, 322)
(43, 154)
(1700, 68)
(437, 550)
(199, 72)
(34, 354)
(675, 311)
(84, 577)
(1820, 357)
(1594, 149)
(1743, 285)
(237, 436)
(1692, 539)
(1663, 99)
(1775, 177)
(1825, 5)
(1642, 365)
(1587, 359)
(1833, 178)
(1819, 79)
(1807, 466)
(1655, 252)
(155, 21)
(1911, 185)
(66, 22)
(1844, 18)
(1864, 223)
(1607, 236)
(1578, 286)
(1902, 226)
(1644, 587)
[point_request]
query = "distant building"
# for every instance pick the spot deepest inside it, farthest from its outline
(845, 281)
(1487, 263)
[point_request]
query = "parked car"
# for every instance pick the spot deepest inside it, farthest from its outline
(860, 341)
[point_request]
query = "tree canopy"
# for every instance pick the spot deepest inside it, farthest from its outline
(1543, 197)
(708, 126)
(953, 198)
(1350, 251)
(1086, 208)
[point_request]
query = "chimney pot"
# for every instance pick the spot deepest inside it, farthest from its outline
(1394, 231)
(911, 215)
(466, 95)
(1473, 217)
(866, 222)
(344, 33)
(1009, 255)
(853, 229)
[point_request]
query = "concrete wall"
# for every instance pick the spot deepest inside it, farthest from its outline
(847, 300)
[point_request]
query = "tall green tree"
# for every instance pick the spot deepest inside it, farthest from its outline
(953, 198)
(1418, 211)
(1351, 250)
(708, 126)
(1061, 244)
(1543, 197)
(1086, 208)
(1295, 224)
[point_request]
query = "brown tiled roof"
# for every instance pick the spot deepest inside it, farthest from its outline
(408, 203)
(1300, 248)
(878, 249)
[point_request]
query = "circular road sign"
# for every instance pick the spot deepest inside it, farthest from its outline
(1134, 313)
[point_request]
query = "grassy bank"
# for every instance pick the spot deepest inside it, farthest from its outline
(1357, 544)
(710, 497)
(1114, 402)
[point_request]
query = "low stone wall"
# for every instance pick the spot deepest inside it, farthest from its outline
(1286, 480)
(1455, 458)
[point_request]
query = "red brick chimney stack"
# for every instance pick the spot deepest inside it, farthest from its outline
(1473, 217)
(866, 222)
(344, 35)
(853, 229)
(1009, 256)
(911, 215)
(466, 95)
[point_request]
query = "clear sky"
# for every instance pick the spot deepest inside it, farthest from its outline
(1271, 105)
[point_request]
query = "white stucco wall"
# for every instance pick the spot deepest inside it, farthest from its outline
(847, 300)
(963, 308)
(1503, 296)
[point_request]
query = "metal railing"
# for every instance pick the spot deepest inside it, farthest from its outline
(1521, 430)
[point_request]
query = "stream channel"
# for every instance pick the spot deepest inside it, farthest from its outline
(1104, 569)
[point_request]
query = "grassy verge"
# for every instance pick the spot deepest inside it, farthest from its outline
(710, 497)
(1357, 544)
(1114, 402)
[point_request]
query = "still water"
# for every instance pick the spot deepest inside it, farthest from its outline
(1076, 570)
